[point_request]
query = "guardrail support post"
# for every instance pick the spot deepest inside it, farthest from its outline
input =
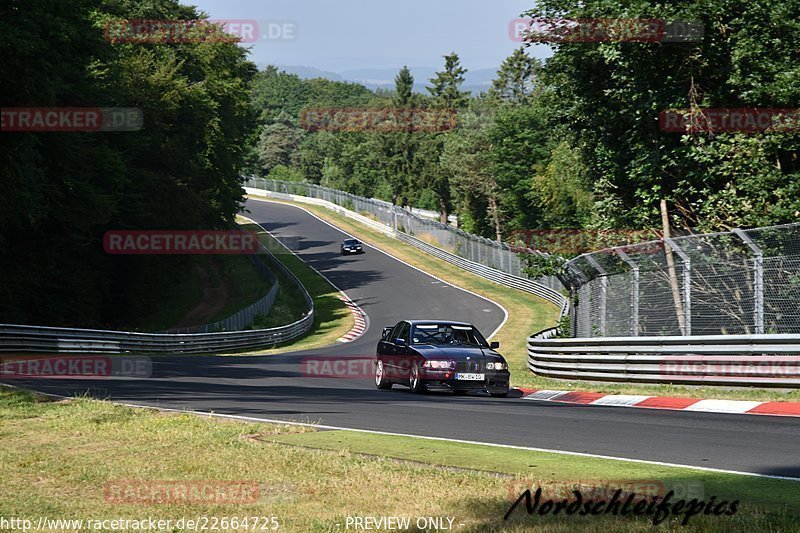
(603, 292)
(687, 285)
(758, 280)
(634, 291)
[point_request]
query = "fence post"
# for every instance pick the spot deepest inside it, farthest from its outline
(634, 291)
(687, 285)
(758, 280)
(603, 292)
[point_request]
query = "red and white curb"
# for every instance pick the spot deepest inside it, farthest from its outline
(361, 321)
(664, 402)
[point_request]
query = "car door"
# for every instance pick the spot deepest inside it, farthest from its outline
(404, 354)
(387, 351)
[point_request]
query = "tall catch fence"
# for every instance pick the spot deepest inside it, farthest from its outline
(732, 283)
(494, 254)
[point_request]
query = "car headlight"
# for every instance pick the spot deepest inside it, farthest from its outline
(439, 365)
(496, 366)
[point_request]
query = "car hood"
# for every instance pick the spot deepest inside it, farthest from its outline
(456, 352)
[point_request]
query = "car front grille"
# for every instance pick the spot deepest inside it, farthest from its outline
(469, 366)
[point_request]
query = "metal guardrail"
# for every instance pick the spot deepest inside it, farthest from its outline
(67, 340)
(523, 284)
(28, 339)
(738, 360)
(484, 271)
(496, 255)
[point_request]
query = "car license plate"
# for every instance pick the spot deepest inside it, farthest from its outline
(470, 377)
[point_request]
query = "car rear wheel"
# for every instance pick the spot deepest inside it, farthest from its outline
(414, 381)
(380, 377)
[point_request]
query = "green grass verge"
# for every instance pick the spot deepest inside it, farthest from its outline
(59, 456)
(528, 314)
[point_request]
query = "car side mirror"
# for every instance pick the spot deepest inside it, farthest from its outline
(400, 342)
(494, 344)
(386, 331)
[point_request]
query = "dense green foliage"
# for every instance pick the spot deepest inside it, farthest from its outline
(575, 142)
(61, 191)
(607, 96)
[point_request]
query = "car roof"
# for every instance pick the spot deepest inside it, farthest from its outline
(438, 321)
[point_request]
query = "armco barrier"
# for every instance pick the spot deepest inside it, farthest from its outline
(491, 274)
(483, 271)
(738, 360)
(18, 338)
(67, 340)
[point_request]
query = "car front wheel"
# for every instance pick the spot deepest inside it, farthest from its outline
(380, 377)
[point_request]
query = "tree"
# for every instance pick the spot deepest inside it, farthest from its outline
(445, 86)
(446, 95)
(521, 141)
(610, 96)
(561, 190)
(466, 158)
(398, 148)
(404, 87)
(516, 79)
(279, 144)
(182, 170)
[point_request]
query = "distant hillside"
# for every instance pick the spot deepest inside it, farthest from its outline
(476, 81)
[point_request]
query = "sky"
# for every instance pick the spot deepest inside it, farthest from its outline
(339, 35)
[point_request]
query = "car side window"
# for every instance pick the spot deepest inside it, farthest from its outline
(405, 332)
(396, 332)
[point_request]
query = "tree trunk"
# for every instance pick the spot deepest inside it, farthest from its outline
(495, 217)
(673, 277)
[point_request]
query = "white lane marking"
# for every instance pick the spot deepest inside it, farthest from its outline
(620, 400)
(723, 406)
(442, 439)
(505, 312)
(545, 395)
(463, 441)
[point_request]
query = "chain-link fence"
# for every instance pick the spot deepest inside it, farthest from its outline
(740, 282)
(494, 254)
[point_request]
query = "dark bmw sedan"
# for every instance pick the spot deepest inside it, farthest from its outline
(352, 246)
(439, 355)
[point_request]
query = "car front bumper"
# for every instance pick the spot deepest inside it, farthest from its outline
(493, 382)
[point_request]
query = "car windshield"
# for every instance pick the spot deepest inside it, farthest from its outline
(351, 242)
(440, 334)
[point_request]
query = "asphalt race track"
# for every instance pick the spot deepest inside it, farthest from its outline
(275, 387)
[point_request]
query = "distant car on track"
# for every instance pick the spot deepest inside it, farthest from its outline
(352, 246)
(440, 355)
